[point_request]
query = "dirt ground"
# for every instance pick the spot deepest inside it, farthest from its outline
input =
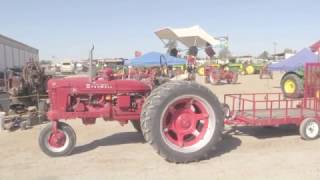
(109, 151)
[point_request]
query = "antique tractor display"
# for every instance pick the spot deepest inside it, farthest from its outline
(182, 120)
(215, 75)
(251, 68)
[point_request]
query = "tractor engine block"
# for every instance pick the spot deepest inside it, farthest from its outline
(102, 97)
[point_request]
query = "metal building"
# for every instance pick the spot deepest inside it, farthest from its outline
(15, 54)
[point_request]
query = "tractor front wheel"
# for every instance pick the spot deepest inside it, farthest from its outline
(59, 143)
(183, 121)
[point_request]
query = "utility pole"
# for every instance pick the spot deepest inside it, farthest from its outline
(275, 47)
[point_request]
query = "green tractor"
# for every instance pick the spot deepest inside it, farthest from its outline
(236, 67)
(292, 84)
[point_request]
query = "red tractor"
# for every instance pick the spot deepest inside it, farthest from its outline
(265, 73)
(215, 75)
(182, 120)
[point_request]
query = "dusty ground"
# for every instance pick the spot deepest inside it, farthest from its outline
(108, 151)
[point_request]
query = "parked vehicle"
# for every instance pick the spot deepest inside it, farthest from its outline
(67, 68)
(182, 120)
(182, 124)
(216, 75)
(271, 109)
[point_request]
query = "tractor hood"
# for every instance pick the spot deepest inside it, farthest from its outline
(83, 85)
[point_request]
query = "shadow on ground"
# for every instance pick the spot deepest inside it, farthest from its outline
(227, 144)
(265, 132)
(115, 139)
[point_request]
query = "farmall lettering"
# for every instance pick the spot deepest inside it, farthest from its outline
(98, 86)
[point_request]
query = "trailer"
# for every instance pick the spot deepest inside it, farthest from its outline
(274, 109)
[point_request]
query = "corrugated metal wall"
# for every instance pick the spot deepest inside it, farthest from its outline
(15, 54)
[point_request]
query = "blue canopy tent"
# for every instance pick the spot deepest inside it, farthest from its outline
(295, 62)
(153, 59)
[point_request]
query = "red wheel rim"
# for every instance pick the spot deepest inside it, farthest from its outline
(57, 139)
(185, 122)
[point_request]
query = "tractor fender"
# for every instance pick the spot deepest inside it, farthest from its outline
(292, 72)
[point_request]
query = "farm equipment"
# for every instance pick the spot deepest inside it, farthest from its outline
(22, 102)
(292, 81)
(272, 109)
(250, 68)
(265, 73)
(201, 70)
(182, 120)
(215, 75)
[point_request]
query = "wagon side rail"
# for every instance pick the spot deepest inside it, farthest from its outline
(269, 109)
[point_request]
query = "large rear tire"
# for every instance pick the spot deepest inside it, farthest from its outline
(292, 86)
(250, 69)
(183, 121)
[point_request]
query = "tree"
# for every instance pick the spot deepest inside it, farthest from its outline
(264, 55)
(225, 54)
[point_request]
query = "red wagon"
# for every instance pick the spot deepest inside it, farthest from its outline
(273, 109)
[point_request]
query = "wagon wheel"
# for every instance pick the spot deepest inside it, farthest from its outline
(309, 129)
(183, 121)
(226, 111)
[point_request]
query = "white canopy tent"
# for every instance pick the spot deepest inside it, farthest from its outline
(192, 36)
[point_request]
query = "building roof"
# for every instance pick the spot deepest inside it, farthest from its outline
(14, 43)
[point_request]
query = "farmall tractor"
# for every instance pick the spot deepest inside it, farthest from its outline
(216, 75)
(182, 120)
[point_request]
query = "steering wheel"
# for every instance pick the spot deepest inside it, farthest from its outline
(163, 65)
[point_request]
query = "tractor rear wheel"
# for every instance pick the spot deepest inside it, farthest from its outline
(250, 69)
(292, 86)
(60, 143)
(183, 121)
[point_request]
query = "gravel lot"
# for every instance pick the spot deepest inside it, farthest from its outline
(109, 151)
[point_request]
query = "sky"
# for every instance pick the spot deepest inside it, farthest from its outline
(63, 29)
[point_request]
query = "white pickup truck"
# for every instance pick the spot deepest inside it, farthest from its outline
(67, 68)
